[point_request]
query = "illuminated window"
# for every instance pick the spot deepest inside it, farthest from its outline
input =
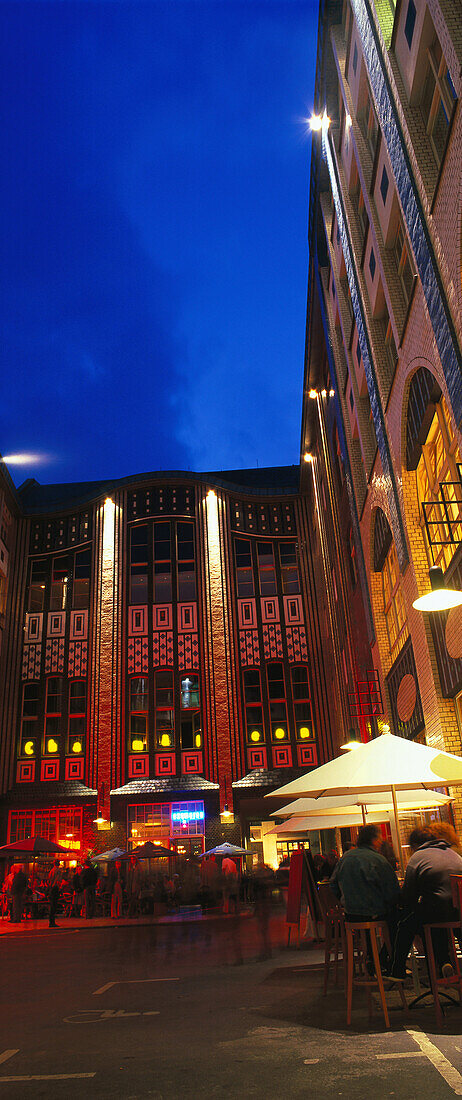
(277, 703)
(244, 571)
(30, 710)
(59, 583)
(77, 717)
(63, 826)
(186, 562)
(139, 564)
(289, 568)
(188, 818)
(165, 713)
(37, 585)
(53, 716)
(81, 592)
(139, 706)
(150, 821)
(302, 705)
(438, 465)
(438, 99)
(162, 563)
(266, 570)
(394, 607)
(253, 706)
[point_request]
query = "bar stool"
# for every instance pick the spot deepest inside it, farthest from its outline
(439, 985)
(356, 941)
(334, 926)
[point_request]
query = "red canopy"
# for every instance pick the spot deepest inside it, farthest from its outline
(35, 846)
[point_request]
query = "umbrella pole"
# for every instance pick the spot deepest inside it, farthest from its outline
(395, 811)
(363, 811)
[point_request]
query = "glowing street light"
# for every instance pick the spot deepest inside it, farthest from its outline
(439, 598)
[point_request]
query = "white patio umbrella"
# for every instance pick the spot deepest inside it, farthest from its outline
(387, 763)
(297, 826)
(328, 804)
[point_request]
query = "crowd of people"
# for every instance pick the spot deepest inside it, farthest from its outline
(131, 887)
(366, 883)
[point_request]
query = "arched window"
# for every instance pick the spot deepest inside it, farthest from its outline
(393, 605)
(439, 488)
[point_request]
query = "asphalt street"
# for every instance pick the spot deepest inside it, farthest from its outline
(191, 1011)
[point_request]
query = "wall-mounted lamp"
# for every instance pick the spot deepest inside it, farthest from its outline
(440, 598)
(353, 741)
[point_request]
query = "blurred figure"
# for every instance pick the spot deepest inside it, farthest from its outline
(134, 886)
(230, 879)
(77, 893)
(387, 852)
(89, 878)
(262, 889)
(210, 876)
(54, 889)
(322, 867)
(18, 890)
(117, 896)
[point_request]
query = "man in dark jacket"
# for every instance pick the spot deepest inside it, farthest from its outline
(426, 898)
(364, 880)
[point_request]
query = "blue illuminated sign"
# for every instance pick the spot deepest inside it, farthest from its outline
(188, 815)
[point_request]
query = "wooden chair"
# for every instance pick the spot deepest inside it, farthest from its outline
(357, 971)
(439, 985)
(334, 925)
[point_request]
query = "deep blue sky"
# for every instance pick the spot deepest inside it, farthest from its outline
(154, 206)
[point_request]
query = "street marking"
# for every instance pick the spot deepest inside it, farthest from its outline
(95, 1016)
(8, 1054)
(310, 1061)
(404, 1054)
(131, 981)
(438, 1060)
(47, 1077)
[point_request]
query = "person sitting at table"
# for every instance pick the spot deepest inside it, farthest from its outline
(367, 886)
(426, 898)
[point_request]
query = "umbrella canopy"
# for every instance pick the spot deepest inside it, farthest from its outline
(35, 846)
(224, 850)
(387, 763)
(382, 764)
(149, 851)
(335, 804)
(114, 853)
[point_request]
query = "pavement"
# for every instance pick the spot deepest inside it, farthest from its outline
(203, 1008)
(29, 925)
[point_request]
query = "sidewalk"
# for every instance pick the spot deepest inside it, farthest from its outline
(67, 923)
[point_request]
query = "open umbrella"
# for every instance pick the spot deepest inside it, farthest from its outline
(35, 846)
(114, 853)
(224, 850)
(150, 851)
(338, 804)
(387, 763)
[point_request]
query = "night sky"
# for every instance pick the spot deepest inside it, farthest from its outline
(154, 206)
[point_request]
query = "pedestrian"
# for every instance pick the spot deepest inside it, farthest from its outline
(117, 896)
(18, 890)
(54, 889)
(77, 893)
(89, 878)
(135, 886)
(230, 879)
(427, 899)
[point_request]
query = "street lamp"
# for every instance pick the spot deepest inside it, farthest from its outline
(440, 598)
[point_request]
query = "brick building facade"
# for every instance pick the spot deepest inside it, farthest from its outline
(162, 658)
(383, 383)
